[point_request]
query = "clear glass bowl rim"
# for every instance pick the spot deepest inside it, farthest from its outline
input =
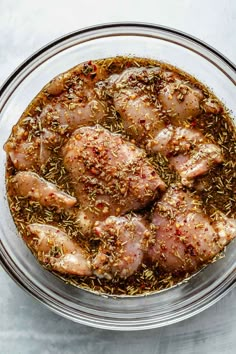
(8, 264)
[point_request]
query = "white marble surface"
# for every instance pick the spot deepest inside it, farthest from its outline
(28, 327)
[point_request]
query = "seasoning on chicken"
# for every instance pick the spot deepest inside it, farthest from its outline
(180, 101)
(197, 163)
(174, 140)
(29, 185)
(110, 175)
(141, 119)
(186, 237)
(188, 151)
(57, 251)
(140, 116)
(26, 151)
(145, 97)
(73, 113)
(122, 244)
(72, 102)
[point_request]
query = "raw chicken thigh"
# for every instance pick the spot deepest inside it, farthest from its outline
(26, 152)
(180, 238)
(188, 150)
(140, 117)
(29, 185)
(110, 175)
(197, 163)
(73, 113)
(123, 241)
(142, 97)
(180, 101)
(161, 124)
(55, 249)
(74, 101)
(31, 141)
(185, 236)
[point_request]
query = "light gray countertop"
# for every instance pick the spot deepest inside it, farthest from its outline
(26, 326)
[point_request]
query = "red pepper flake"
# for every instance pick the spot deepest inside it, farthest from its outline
(96, 231)
(178, 232)
(193, 123)
(191, 250)
(94, 171)
(169, 154)
(96, 151)
(100, 205)
(142, 121)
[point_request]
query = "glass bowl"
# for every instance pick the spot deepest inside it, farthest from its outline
(120, 313)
